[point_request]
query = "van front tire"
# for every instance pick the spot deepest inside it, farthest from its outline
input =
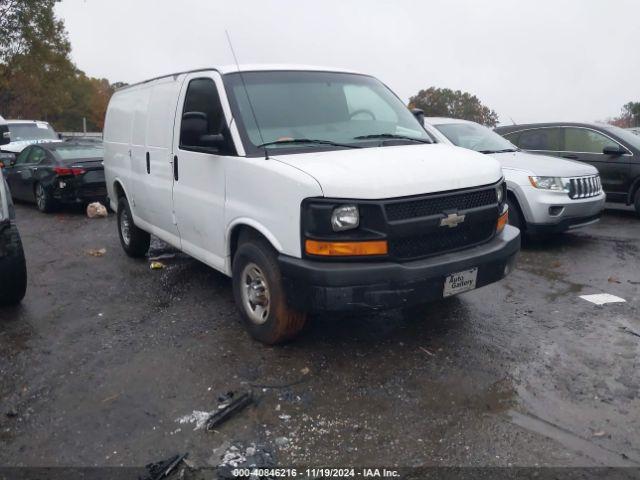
(135, 241)
(260, 297)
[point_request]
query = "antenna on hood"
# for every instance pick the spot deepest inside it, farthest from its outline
(246, 92)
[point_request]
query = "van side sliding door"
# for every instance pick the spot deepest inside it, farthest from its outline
(201, 151)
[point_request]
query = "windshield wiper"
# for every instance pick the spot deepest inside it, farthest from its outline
(392, 136)
(295, 141)
(506, 150)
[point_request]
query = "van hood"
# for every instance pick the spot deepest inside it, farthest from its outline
(394, 171)
(17, 147)
(544, 165)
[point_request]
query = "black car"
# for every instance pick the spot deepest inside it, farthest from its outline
(53, 173)
(615, 152)
(13, 269)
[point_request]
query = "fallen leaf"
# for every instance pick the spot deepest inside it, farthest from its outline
(156, 266)
(97, 252)
(613, 280)
(600, 433)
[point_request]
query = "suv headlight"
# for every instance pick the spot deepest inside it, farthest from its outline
(346, 217)
(556, 184)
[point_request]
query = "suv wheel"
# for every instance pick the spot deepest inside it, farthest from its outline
(515, 217)
(636, 202)
(135, 241)
(260, 297)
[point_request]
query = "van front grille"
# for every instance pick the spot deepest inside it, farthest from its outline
(424, 207)
(441, 241)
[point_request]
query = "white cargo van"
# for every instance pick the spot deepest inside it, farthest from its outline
(314, 189)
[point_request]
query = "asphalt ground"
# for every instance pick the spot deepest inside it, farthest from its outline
(105, 356)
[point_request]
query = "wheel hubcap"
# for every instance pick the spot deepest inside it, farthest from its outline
(255, 294)
(40, 198)
(125, 227)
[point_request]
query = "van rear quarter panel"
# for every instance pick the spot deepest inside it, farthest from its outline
(117, 140)
(267, 195)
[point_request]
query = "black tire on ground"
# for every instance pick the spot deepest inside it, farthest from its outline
(515, 217)
(259, 294)
(13, 268)
(44, 201)
(636, 202)
(135, 241)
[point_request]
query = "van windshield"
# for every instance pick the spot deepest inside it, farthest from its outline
(338, 108)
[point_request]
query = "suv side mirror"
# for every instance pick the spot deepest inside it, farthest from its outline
(419, 114)
(5, 136)
(611, 150)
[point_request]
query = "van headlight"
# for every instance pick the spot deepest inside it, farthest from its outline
(556, 184)
(345, 217)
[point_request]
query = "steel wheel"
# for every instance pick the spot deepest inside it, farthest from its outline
(256, 298)
(125, 227)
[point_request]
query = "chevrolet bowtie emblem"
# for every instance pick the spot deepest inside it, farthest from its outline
(452, 220)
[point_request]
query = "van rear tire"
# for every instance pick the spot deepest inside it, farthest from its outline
(13, 269)
(260, 296)
(135, 241)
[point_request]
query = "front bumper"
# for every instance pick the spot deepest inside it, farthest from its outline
(350, 286)
(553, 212)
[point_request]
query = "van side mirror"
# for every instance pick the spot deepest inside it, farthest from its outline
(419, 114)
(5, 136)
(611, 150)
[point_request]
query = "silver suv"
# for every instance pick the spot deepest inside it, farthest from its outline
(545, 194)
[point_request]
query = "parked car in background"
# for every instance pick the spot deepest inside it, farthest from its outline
(53, 173)
(614, 151)
(545, 194)
(13, 268)
(312, 188)
(25, 133)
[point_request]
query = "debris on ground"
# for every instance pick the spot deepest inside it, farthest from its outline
(239, 456)
(198, 417)
(228, 409)
(305, 371)
(629, 331)
(598, 434)
(613, 280)
(97, 252)
(602, 298)
(164, 256)
(96, 210)
(156, 266)
(228, 405)
(431, 354)
(163, 469)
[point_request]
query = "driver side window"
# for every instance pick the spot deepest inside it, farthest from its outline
(23, 156)
(202, 118)
(36, 155)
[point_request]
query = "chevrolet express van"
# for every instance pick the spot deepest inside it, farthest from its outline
(314, 189)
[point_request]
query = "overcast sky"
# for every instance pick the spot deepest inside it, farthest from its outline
(531, 60)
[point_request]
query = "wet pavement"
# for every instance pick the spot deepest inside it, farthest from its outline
(105, 356)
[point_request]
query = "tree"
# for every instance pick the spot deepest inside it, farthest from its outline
(444, 102)
(38, 80)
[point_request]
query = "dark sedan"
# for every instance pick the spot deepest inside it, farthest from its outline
(50, 174)
(615, 152)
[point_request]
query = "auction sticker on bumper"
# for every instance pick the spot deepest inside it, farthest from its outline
(460, 282)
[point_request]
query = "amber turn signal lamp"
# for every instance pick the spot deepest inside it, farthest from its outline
(346, 249)
(502, 221)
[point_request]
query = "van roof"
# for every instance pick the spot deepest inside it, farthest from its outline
(255, 67)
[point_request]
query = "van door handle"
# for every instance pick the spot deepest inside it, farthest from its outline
(175, 168)
(570, 156)
(148, 163)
